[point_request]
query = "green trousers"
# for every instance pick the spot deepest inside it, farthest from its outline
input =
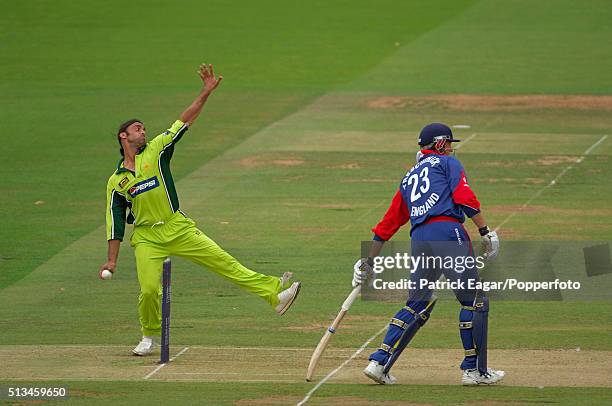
(179, 236)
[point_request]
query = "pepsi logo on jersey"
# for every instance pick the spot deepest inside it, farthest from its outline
(144, 186)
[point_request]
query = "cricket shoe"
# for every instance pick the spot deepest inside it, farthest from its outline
(287, 297)
(374, 371)
(284, 280)
(144, 347)
(474, 377)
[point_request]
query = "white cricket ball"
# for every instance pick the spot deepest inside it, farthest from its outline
(106, 274)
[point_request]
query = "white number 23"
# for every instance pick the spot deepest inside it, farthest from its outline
(414, 181)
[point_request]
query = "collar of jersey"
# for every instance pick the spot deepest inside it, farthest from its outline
(120, 168)
(430, 151)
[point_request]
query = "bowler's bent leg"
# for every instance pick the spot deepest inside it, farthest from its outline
(197, 247)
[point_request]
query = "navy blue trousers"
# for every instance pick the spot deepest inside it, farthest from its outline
(442, 244)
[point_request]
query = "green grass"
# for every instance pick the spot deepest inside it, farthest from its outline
(127, 393)
(290, 167)
(73, 72)
(558, 47)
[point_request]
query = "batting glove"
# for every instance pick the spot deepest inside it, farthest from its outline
(490, 243)
(362, 270)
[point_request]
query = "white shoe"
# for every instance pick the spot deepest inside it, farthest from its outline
(374, 371)
(286, 297)
(473, 377)
(284, 280)
(144, 347)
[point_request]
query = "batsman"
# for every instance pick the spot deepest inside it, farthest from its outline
(141, 191)
(435, 197)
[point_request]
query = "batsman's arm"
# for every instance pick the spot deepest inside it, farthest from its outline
(375, 248)
(464, 196)
(396, 216)
(211, 82)
(479, 220)
(462, 193)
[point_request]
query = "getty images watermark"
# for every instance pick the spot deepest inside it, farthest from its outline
(474, 284)
(527, 270)
(458, 264)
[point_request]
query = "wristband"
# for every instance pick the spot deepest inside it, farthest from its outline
(483, 231)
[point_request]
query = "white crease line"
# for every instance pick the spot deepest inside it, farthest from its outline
(272, 381)
(211, 347)
(332, 373)
(205, 347)
(588, 151)
(114, 379)
(296, 375)
(468, 139)
(553, 182)
(367, 213)
(150, 374)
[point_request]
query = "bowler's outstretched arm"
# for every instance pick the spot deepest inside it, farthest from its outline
(211, 82)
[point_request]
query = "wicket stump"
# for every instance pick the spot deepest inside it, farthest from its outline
(165, 324)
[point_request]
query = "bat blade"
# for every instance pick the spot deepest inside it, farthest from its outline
(318, 352)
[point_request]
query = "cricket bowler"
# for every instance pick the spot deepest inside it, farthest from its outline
(435, 197)
(142, 192)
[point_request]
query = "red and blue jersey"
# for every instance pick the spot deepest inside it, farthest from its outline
(436, 187)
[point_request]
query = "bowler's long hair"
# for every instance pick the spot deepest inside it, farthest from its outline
(123, 128)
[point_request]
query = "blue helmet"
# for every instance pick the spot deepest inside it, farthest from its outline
(434, 132)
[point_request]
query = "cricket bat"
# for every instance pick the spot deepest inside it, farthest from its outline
(318, 352)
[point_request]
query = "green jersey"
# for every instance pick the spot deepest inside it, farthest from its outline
(147, 196)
